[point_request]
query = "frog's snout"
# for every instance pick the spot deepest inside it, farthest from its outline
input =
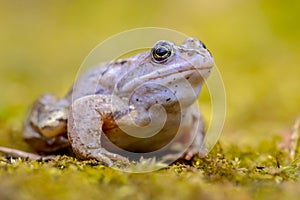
(194, 43)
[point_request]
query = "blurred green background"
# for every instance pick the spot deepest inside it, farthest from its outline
(255, 44)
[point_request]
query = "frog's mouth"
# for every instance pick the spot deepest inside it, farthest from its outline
(177, 72)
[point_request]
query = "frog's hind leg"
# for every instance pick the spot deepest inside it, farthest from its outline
(86, 118)
(45, 127)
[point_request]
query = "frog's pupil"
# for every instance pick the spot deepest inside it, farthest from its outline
(161, 51)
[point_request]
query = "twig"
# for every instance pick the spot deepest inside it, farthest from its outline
(23, 154)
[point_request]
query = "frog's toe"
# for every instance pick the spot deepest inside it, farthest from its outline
(104, 159)
(116, 157)
(193, 151)
(108, 158)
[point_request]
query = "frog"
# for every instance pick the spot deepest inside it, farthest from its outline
(139, 104)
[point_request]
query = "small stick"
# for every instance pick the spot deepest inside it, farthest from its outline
(295, 138)
(23, 154)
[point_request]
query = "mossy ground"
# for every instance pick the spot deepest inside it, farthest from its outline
(234, 174)
(256, 46)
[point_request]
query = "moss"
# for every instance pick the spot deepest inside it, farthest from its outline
(238, 174)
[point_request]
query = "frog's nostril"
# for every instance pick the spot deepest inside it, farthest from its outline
(202, 45)
(193, 43)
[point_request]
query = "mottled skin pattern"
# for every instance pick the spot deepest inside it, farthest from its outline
(122, 104)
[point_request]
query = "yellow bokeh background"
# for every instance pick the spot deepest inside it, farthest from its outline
(255, 44)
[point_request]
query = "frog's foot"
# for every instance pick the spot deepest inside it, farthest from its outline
(188, 155)
(194, 151)
(107, 157)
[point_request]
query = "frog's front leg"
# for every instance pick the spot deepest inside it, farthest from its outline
(86, 118)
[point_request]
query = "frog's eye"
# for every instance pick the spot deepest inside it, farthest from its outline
(161, 52)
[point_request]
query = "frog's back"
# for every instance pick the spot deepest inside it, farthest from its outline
(89, 83)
